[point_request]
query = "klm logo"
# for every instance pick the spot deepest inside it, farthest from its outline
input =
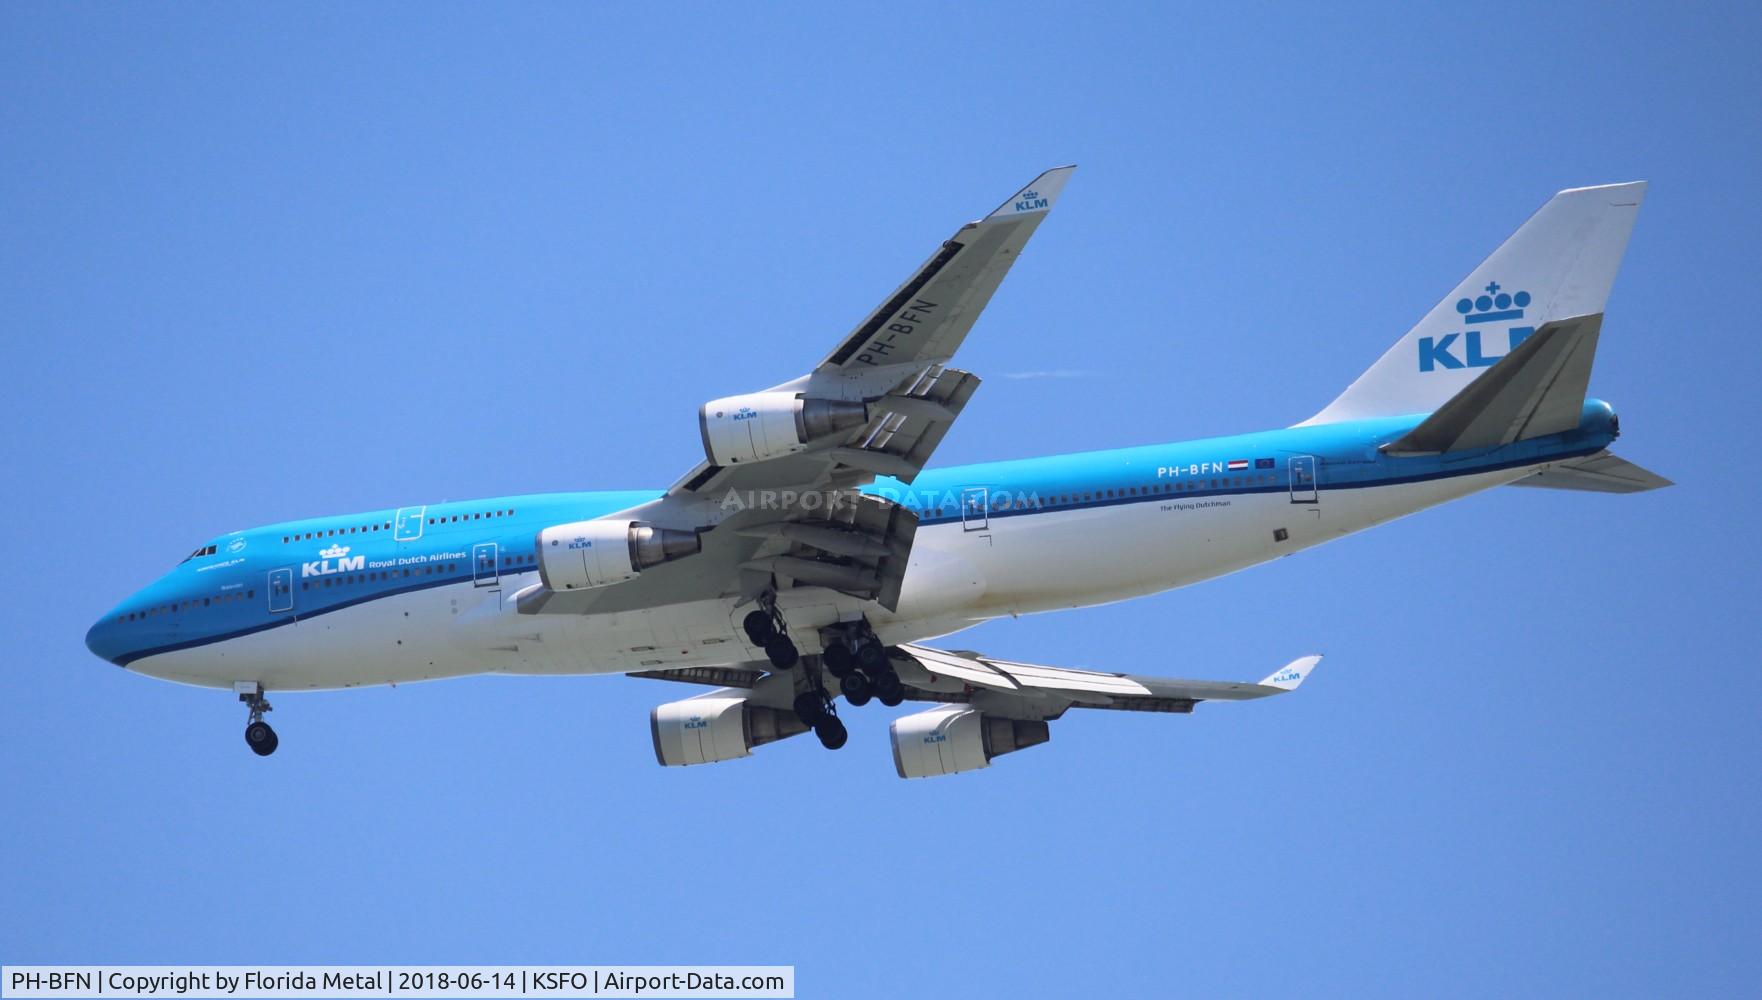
(1285, 676)
(581, 543)
(335, 559)
(696, 722)
(744, 413)
(1495, 306)
(936, 738)
(1028, 201)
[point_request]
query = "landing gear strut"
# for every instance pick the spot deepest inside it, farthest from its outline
(258, 736)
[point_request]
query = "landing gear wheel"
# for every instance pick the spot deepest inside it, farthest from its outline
(758, 627)
(856, 689)
(830, 729)
(889, 691)
(872, 658)
(839, 660)
(258, 736)
(810, 707)
(261, 739)
(782, 652)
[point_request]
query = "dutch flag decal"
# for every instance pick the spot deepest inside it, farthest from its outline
(1237, 464)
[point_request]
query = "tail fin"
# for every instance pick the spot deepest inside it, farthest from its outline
(1561, 263)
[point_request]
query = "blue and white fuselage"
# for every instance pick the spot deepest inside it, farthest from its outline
(353, 600)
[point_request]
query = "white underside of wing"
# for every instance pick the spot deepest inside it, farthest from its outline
(1008, 675)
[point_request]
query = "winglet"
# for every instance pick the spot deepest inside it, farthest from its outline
(1037, 197)
(1292, 674)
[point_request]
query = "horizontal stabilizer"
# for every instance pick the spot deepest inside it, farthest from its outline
(1536, 390)
(1604, 473)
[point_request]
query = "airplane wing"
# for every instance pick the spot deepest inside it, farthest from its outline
(1029, 691)
(775, 501)
(1007, 689)
(927, 317)
(895, 361)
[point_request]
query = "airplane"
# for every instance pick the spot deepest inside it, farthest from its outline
(811, 555)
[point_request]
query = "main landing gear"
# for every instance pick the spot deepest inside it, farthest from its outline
(853, 655)
(860, 663)
(766, 628)
(258, 736)
(813, 706)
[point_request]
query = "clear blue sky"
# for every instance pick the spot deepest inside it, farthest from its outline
(260, 263)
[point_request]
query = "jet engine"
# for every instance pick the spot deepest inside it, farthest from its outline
(954, 738)
(761, 425)
(716, 726)
(600, 553)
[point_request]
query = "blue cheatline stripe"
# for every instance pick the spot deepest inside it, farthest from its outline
(290, 618)
(1417, 477)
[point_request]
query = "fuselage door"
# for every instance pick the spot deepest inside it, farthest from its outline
(281, 590)
(484, 571)
(1303, 479)
(975, 508)
(408, 526)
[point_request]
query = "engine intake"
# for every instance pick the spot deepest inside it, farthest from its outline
(586, 554)
(761, 425)
(953, 738)
(716, 727)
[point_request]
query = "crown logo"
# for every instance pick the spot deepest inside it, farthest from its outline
(1495, 305)
(334, 552)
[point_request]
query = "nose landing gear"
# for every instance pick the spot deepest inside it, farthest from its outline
(258, 736)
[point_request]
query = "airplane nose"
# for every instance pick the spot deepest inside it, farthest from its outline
(105, 639)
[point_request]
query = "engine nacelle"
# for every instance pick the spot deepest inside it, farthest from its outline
(587, 554)
(761, 425)
(954, 738)
(715, 727)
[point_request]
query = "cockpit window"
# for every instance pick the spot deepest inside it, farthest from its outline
(206, 550)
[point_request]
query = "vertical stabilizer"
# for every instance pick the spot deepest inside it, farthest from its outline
(1559, 264)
